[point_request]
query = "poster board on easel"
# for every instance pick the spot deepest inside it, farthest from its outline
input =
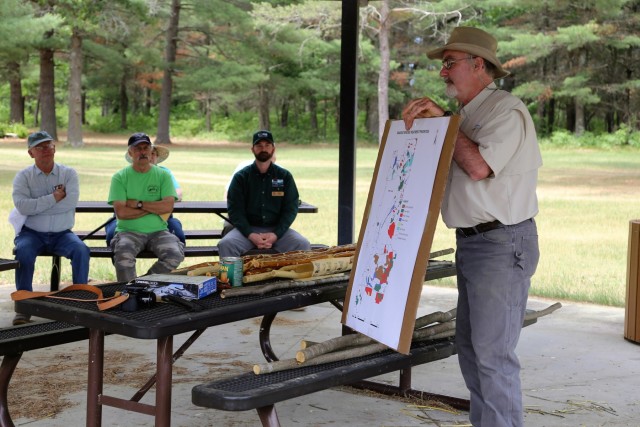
(397, 230)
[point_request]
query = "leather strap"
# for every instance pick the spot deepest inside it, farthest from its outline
(102, 302)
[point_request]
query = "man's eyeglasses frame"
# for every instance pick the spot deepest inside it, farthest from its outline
(448, 63)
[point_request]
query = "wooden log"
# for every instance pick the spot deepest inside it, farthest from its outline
(540, 313)
(437, 316)
(430, 331)
(361, 345)
(206, 270)
(281, 284)
(282, 365)
(331, 345)
(306, 344)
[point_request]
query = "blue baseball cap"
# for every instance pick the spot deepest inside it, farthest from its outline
(138, 138)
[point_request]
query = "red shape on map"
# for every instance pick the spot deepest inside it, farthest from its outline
(379, 297)
(391, 230)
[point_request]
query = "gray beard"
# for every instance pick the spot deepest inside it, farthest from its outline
(451, 91)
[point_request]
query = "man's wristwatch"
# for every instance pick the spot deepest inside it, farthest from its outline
(139, 205)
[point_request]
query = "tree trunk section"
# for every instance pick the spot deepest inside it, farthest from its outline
(313, 114)
(284, 112)
(74, 131)
(124, 101)
(580, 126)
(163, 136)
(47, 95)
(263, 108)
(16, 114)
(383, 75)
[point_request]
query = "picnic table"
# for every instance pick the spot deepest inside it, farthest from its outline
(161, 323)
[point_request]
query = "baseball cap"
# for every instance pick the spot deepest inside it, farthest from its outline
(137, 138)
(37, 138)
(262, 135)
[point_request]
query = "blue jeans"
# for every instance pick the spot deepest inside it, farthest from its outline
(30, 243)
(494, 274)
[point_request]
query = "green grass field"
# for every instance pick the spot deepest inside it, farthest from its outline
(586, 203)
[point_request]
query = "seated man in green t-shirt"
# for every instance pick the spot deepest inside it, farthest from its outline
(142, 196)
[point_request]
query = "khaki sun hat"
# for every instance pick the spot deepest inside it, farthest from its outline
(163, 153)
(475, 42)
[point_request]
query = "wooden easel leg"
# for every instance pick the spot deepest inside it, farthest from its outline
(268, 416)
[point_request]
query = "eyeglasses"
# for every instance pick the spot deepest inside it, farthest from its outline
(42, 147)
(448, 63)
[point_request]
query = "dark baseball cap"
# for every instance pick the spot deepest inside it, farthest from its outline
(263, 135)
(37, 138)
(137, 138)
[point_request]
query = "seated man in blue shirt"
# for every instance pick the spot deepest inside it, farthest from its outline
(263, 203)
(46, 194)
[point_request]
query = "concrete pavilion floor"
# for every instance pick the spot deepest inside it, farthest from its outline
(578, 370)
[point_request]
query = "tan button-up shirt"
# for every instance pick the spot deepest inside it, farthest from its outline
(502, 127)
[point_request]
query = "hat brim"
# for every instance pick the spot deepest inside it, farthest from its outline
(163, 153)
(40, 141)
(472, 50)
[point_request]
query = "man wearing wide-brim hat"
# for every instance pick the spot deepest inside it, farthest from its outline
(490, 200)
(142, 196)
(158, 155)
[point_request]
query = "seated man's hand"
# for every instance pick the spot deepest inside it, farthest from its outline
(263, 240)
(269, 239)
(258, 241)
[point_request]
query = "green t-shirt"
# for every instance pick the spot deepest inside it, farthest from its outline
(151, 186)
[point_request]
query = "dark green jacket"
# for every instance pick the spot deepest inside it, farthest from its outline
(268, 200)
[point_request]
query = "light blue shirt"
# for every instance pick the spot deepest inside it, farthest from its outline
(33, 197)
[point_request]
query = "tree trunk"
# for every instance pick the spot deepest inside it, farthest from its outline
(207, 106)
(84, 108)
(383, 75)
(163, 136)
(74, 130)
(16, 114)
(371, 119)
(47, 95)
(313, 114)
(263, 108)
(284, 112)
(124, 101)
(579, 105)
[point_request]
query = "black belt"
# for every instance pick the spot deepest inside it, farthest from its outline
(480, 228)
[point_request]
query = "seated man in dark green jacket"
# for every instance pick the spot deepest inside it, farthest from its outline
(263, 203)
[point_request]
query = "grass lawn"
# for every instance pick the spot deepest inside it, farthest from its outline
(586, 202)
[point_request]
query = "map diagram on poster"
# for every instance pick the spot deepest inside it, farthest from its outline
(394, 229)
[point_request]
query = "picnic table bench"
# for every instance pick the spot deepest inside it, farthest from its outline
(15, 340)
(261, 392)
(219, 208)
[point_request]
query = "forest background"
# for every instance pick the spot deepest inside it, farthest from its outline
(211, 70)
(221, 69)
